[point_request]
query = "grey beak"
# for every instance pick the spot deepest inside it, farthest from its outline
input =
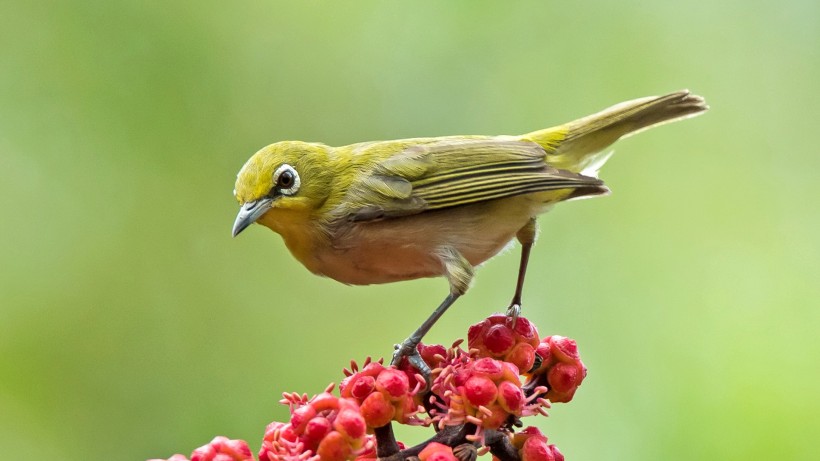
(249, 213)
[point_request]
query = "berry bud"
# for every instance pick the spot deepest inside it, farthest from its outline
(376, 410)
(223, 449)
(334, 447)
(433, 354)
(437, 452)
(393, 383)
(480, 391)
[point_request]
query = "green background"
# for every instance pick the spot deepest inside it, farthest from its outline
(133, 326)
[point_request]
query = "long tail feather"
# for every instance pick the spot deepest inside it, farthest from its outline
(581, 145)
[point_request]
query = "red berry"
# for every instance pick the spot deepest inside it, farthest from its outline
(376, 410)
(394, 382)
(350, 423)
(334, 448)
(439, 456)
(325, 402)
(474, 332)
(532, 446)
(536, 449)
(480, 391)
(488, 367)
(361, 386)
(545, 352)
(223, 449)
(511, 397)
(496, 418)
(561, 369)
(563, 377)
(564, 348)
(432, 354)
(526, 329)
(499, 339)
(301, 416)
(317, 428)
(437, 452)
(556, 454)
(522, 356)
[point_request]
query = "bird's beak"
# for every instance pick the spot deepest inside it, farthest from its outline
(249, 213)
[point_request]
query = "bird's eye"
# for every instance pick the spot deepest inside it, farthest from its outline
(286, 179)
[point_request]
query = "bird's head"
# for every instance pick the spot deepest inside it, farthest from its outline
(289, 177)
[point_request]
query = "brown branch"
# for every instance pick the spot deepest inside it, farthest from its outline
(386, 445)
(500, 446)
(451, 436)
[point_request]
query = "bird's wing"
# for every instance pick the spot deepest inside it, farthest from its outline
(453, 172)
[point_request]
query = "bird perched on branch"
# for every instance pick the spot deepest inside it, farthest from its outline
(386, 211)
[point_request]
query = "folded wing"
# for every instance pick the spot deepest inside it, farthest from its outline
(454, 172)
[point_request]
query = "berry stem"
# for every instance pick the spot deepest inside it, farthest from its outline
(451, 436)
(500, 446)
(386, 445)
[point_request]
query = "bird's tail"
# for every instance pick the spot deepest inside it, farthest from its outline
(581, 146)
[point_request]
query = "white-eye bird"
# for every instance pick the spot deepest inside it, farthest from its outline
(386, 211)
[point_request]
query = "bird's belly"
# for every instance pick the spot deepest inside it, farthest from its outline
(407, 248)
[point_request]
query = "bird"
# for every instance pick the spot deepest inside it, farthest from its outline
(387, 211)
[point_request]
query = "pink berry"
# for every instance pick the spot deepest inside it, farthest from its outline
(535, 449)
(334, 448)
(480, 391)
(350, 423)
(437, 452)
(376, 410)
(488, 367)
(522, 356)
(499, 339)
(394, 382)
(361, 387)
(301, 416)
(317, 428)
(511, 397)
(565, 348)
(526, 329)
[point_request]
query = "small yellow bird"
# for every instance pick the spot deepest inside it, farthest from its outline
(385, 211)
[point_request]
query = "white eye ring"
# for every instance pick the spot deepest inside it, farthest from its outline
(292, 178)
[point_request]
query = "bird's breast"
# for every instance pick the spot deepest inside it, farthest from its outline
(406, 248)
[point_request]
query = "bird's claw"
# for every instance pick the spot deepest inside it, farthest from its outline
(409, 349)
(513, 312)
(404, 349)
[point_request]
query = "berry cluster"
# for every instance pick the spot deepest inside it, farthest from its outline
(531, 445)
(384, 394)
(561, 369)
(330, 427)
(475, 400)
(484, 392)
(220, 449)
(495, 337)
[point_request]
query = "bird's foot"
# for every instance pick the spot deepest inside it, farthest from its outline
(513, 312)
(409, 349)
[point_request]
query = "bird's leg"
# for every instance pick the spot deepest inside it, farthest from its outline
(459, 273)
(408, 347)
(525, 235)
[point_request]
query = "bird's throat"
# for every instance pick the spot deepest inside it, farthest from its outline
(300, 233)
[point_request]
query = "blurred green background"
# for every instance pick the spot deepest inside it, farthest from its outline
(133, 326)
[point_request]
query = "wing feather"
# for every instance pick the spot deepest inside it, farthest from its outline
(454, 172)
